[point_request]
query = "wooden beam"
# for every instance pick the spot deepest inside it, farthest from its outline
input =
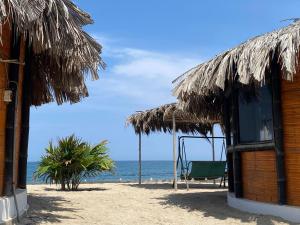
(278, 133)
(252, 147)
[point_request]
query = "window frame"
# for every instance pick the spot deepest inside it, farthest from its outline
(237, 119)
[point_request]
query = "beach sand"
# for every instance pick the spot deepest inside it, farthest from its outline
(125, 203)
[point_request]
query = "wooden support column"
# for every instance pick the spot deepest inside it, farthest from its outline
(229, 156)
(22, 169)
(230, 172)
(213, 144)
(174, 153)
(10, 118)
(140, 158)
(213, 147)
(237, 164)
(237, 167)
(5, 51)
(278, 134)
(19, 102)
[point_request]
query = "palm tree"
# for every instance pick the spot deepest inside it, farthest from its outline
(71, 161)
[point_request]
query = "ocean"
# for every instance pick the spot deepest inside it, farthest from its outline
(125, 171)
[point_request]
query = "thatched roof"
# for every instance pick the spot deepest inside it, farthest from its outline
(62, 53)
(160, 120)
(201, 89)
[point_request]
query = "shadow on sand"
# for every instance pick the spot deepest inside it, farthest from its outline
(45, 208)
(213, 204)
(79, 190)
(166, 186)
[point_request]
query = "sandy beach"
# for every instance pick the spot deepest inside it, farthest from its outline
(125, 203)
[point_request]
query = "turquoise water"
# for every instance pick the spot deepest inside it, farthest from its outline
(125, 171)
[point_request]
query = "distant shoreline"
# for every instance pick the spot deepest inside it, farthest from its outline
(113, 182)
(124, 161)
(125, 171)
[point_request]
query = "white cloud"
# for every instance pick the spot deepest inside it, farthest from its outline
(134, 77)
(150, 65)
(138, 76)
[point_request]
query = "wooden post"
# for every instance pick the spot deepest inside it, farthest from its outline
(10, 119)
(278, 134)
(140, 158)
(213, 146)
(213, 143)
(237, 165)
(174, 152)
(226, 119)
(22, 179)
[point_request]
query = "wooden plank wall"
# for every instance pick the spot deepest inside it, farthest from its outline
(290, 94)
(5, 54)
(259, 176)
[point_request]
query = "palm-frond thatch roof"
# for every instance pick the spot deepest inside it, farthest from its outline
(62, 52)
(201, 89)
(160, 120)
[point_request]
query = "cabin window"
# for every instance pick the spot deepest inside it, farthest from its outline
(255, 115)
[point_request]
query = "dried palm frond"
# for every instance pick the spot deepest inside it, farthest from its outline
(62, 53)
(201, 90)
(160, 120)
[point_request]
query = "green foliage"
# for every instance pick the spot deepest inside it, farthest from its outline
(71, 161)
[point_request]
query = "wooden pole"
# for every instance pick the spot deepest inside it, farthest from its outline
(10, 119)
(237, 165)
(140, 158)
(278, 134)
(174, 152)
(25, 124)
(227, 114)
(213, 146)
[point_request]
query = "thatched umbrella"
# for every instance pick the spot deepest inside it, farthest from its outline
(48, 55)
(160, 119)
(168, 119)
(62, 52)
(201, 90)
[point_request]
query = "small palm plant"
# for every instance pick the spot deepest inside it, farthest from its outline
(71, 161)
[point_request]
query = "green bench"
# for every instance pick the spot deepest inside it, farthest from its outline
(209, 170)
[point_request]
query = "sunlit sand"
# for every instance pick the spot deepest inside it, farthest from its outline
(128, 203)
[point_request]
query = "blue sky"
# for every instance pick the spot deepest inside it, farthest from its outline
(146, 44)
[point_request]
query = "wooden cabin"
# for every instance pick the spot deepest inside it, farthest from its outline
(254, 89)
(36, 68)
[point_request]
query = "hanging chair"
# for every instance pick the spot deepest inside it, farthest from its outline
(206, 170)
(200, 170)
